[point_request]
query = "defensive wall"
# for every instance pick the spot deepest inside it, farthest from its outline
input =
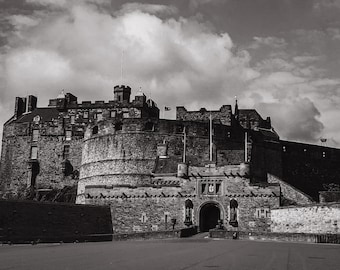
(30, 221)
(308, 168)
(130, 155)
(153, 207)
(318, 218)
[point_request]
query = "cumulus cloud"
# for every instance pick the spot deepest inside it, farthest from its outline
(299, 117)
(178, 60)
(78, 46)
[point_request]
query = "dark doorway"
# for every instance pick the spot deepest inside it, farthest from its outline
(209, 216)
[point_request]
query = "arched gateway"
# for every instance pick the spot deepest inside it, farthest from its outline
(210, 213)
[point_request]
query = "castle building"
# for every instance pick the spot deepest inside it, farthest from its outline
(202, 168)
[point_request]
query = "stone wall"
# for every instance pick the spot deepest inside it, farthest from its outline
(309, 167)
(152, 207)
(294, 195)
(329, 196)
(60, 125)
(16, 165)
(224, 115)
(129, 156)
(319, 218)
(28, 221)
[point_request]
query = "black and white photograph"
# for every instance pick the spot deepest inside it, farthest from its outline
(170, 134)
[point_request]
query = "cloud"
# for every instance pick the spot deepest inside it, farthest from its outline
(326, 4)
(77, 46)
(194, 4)
(175, 59)
(299, 117)
(273, 42)
(148, 8)
(334, 33)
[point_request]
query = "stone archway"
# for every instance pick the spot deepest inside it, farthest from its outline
(210, 213)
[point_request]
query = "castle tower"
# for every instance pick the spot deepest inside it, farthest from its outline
(122, 93)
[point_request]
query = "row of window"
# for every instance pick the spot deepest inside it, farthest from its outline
(36, 134)
(316, 154)
(34, 152)
(99, 115)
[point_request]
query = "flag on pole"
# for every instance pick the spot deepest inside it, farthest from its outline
(167, 108)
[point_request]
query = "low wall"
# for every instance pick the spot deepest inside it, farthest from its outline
(318, 218)
(291, 237)
(33, 222)
(329, 196)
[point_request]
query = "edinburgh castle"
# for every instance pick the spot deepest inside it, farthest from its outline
(205, 167)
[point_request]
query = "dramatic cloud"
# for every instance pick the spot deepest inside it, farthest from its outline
(79, 46)
(299, 117)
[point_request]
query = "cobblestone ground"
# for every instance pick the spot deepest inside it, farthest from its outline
(172, 254)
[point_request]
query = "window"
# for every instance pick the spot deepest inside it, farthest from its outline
(179, 128)
(68, 135)
(34, 152)
(86, 115)
(143, 218)
(36, 119)
(66, 152)
(73, 119)
(262, 212)
(126, 115)
(99, 115)
(149, 126)
(118, 126)
(112, 114)
(166, 219)
(95, 130)
(35, 135)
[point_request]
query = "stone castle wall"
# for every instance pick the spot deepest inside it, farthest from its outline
(224, 115)
(294, 195)
(152, 207)
(322, 218)
(16, 168)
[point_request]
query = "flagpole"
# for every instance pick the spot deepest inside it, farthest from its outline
(184, 144)
(210, 139)
(245, 147)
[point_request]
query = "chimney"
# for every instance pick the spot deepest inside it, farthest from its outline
(32, 103)
(20, 106)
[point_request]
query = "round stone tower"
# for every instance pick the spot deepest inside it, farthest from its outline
(122, 158)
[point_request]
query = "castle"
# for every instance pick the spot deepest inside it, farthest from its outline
(205, 167)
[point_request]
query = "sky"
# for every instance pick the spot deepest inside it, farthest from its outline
(281, 57)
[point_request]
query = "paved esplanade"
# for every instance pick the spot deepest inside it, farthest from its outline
(172, 254)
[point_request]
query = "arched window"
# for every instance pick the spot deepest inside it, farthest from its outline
(188, 212)
(119, 126)
(149, 126)
(233, 213)
(95, 130)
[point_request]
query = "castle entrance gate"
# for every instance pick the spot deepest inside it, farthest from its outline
(210, 213)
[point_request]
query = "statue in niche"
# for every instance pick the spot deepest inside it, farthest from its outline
(233, 213)
(188, 212)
